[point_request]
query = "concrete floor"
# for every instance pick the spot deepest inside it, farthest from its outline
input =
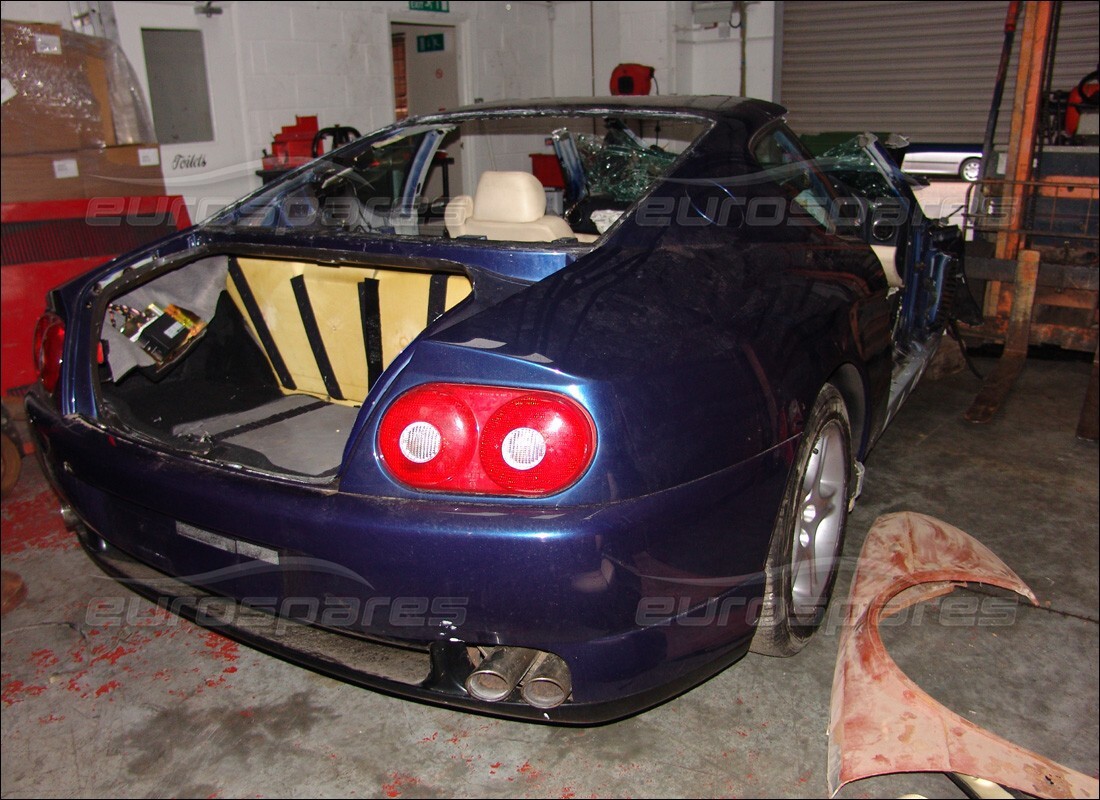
(152, 706)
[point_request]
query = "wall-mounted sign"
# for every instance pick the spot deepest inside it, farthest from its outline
(189, 161)
(431, 43)
(440, 6)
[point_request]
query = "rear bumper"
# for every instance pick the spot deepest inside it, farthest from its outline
(432, 674)
(642, 598)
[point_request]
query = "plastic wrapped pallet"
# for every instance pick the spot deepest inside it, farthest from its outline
(75, 121)
(48, 104)
(65, 91)
(130, 116)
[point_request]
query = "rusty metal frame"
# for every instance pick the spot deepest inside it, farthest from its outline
(1038, 18)
(998, 383)
(881, 721)
(1073, 205)
(996, 206)
(1005, 209)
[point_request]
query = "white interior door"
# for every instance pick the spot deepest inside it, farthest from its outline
(432, 85)
(212, 170)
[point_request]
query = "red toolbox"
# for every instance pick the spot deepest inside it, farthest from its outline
(293, 145)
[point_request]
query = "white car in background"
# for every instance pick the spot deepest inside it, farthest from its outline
(963, 161)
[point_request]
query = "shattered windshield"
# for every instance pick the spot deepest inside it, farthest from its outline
(863, 167)
(530, 178)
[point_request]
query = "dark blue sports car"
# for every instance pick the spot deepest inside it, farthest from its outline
(394, 419)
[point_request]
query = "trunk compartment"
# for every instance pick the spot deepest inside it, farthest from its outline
(288, 354)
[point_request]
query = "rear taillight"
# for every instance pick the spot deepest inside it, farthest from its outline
(49, 347)
(428, 437)
(486, 439)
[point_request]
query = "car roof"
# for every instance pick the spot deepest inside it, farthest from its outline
(712, 106)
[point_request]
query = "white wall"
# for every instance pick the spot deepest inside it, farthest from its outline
(571, 33)
(333, 58)
(686, 59)
(56, 11)
(710, 58)
(625, 32)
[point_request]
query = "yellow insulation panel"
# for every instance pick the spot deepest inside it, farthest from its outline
(334, 296)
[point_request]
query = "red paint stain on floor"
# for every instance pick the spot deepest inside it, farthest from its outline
(458, 737)
(220, 647)
(119, 649)
(113, 647)
(44, 659)
(111, 656)
(32, 518)
(74, 684)
(399, 781)
(526, 770)
(107, 688)
(16, 691)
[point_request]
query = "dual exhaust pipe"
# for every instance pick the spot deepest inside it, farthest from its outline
(543, 677)
(69, 518)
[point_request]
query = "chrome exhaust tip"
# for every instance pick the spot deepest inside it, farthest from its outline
(498, 674)
(547, 683)
(69, 518)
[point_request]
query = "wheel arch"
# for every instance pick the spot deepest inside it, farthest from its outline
(849, 382)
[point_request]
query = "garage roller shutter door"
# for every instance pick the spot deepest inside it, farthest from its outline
(923, 69)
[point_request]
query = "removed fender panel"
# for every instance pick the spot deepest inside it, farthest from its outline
(881, 722)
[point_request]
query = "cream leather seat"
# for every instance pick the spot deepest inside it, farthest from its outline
(508, 206)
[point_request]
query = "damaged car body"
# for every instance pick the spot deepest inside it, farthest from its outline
(461, 449)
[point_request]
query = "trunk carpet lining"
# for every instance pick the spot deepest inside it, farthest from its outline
(295, 433)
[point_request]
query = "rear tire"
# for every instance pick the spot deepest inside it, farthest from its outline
(809, 531)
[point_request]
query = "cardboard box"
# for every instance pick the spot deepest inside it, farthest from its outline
(55, 90)
(124, 171)
(39, 177)
(38, 105)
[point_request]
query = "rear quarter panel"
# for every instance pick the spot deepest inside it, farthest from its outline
(696, 345)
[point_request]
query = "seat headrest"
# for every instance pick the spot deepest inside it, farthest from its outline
(459, 210)
(509, 197)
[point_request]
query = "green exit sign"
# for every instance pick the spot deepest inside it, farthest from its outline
(442, 6)
(431, 43)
